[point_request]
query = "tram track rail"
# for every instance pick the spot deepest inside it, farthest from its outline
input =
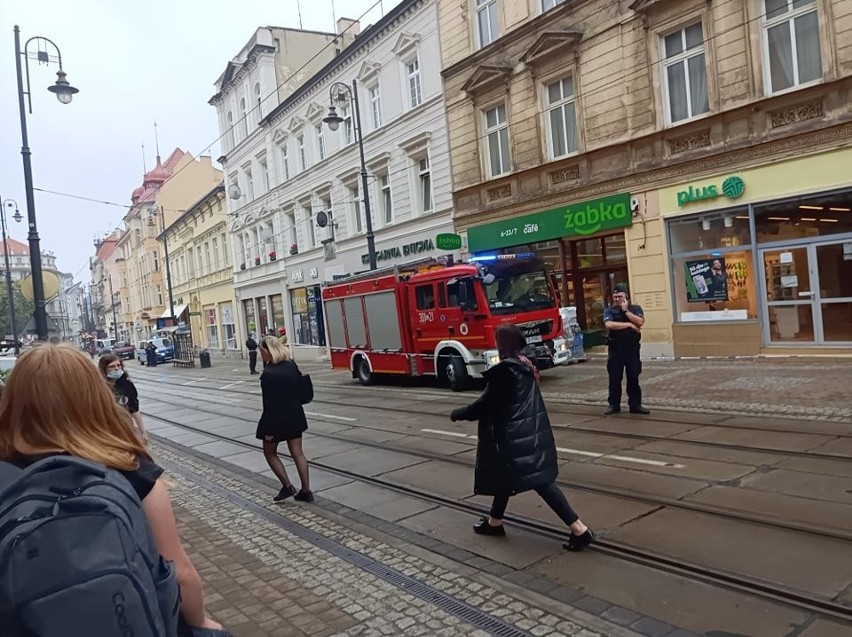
(770, 591)
(603, 433)
(622, 493)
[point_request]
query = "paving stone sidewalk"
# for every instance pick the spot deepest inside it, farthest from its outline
(262, 580)
(808, 388)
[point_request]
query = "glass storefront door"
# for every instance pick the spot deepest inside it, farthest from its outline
(809, 294)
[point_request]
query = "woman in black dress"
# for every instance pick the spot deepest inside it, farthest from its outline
(283, 417)
(112, 368)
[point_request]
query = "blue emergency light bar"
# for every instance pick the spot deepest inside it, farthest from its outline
(501, 257)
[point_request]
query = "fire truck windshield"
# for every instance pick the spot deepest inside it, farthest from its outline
(518, 286)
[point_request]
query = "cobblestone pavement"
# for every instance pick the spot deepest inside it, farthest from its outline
(786, 387)
(805, 388)
(262, 580)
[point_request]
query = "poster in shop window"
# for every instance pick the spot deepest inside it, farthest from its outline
(706, 280)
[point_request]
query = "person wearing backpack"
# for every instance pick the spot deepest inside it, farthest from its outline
(88, 538)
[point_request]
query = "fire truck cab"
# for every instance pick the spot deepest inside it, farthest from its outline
(437, 317)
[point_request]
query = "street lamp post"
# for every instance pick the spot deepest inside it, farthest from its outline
(334, 120)
(64, 93)
(13, 325)
(159, 212)
(112, 305)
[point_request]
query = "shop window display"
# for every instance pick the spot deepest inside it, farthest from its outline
(307, 316)
(715, 286)
(804, 218)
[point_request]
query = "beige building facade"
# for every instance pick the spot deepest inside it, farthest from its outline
(167, 192)
(202, 273)
(693, 150)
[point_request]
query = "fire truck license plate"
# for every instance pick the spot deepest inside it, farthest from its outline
(534, 338)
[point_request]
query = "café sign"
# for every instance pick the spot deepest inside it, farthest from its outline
(580, 219)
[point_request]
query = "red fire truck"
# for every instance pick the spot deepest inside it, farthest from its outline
(437, 317)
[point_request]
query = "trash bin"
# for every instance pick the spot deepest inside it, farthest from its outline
(205, 358)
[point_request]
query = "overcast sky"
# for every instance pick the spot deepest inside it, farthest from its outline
(133, 62)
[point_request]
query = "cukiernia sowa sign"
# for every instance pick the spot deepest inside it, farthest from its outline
(581, 219)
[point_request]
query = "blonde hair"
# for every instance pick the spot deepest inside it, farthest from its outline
(278, 353)
(56, 401)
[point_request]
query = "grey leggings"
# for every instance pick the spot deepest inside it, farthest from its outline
(552, 496)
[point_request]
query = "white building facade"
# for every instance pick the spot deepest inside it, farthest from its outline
(292, 167)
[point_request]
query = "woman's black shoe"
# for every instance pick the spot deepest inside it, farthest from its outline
(304, 496)
(579, 542)
(483, 528)
(284, 493)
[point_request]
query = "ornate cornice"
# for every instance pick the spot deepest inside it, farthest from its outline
(821, 140)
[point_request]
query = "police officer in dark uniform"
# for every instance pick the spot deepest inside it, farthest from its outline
(624, 322)
(251, 346)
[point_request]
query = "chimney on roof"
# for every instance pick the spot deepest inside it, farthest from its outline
(349, 27)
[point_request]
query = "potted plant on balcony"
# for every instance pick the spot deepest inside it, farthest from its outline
(294, 249)
(257, 260)
(242, 266)
(273, 255)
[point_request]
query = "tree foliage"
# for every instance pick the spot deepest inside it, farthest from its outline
(23, 309)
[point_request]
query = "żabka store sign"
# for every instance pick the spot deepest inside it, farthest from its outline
(581, 219)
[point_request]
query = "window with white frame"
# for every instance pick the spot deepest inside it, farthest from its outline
(160, 295)
(547, 5)
(320, 141)
(685, 74)
(249, 183)
(424, 184)
(792, 43)
(244, 118)
(290, 230)
(264, 172)
(386, 198)
(258, 100)
(212, 328)
(285, 162)
(228, 326)
(229, 131)
(497, 140)
(224, 242)
(347, 126)
(215, 249)
(375, 105)
(303, 160)
(415, 93)
(486, 22)
(310, 230)
(561, 118)
(207, 261)
(357, 218)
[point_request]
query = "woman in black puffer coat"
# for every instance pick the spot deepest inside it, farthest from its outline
(516, 451)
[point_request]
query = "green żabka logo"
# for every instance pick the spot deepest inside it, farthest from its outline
(592, 217)
(733, 188)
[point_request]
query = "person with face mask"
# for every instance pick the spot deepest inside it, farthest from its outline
(125, 391)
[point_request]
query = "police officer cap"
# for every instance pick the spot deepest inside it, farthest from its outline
(621, 287)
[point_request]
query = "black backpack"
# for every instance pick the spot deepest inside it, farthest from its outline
(77, 556)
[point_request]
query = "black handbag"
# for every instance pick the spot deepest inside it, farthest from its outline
(306, 389)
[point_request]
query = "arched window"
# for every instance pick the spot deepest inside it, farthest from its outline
(229, 131)
(244, 119)
(258, 99)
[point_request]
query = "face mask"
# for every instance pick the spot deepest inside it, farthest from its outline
(115, 374)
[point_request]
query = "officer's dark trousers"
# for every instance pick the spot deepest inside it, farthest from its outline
(252, 361)
(621, 359)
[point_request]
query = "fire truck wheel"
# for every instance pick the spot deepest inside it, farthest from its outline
(362, 368)
(455, 372)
